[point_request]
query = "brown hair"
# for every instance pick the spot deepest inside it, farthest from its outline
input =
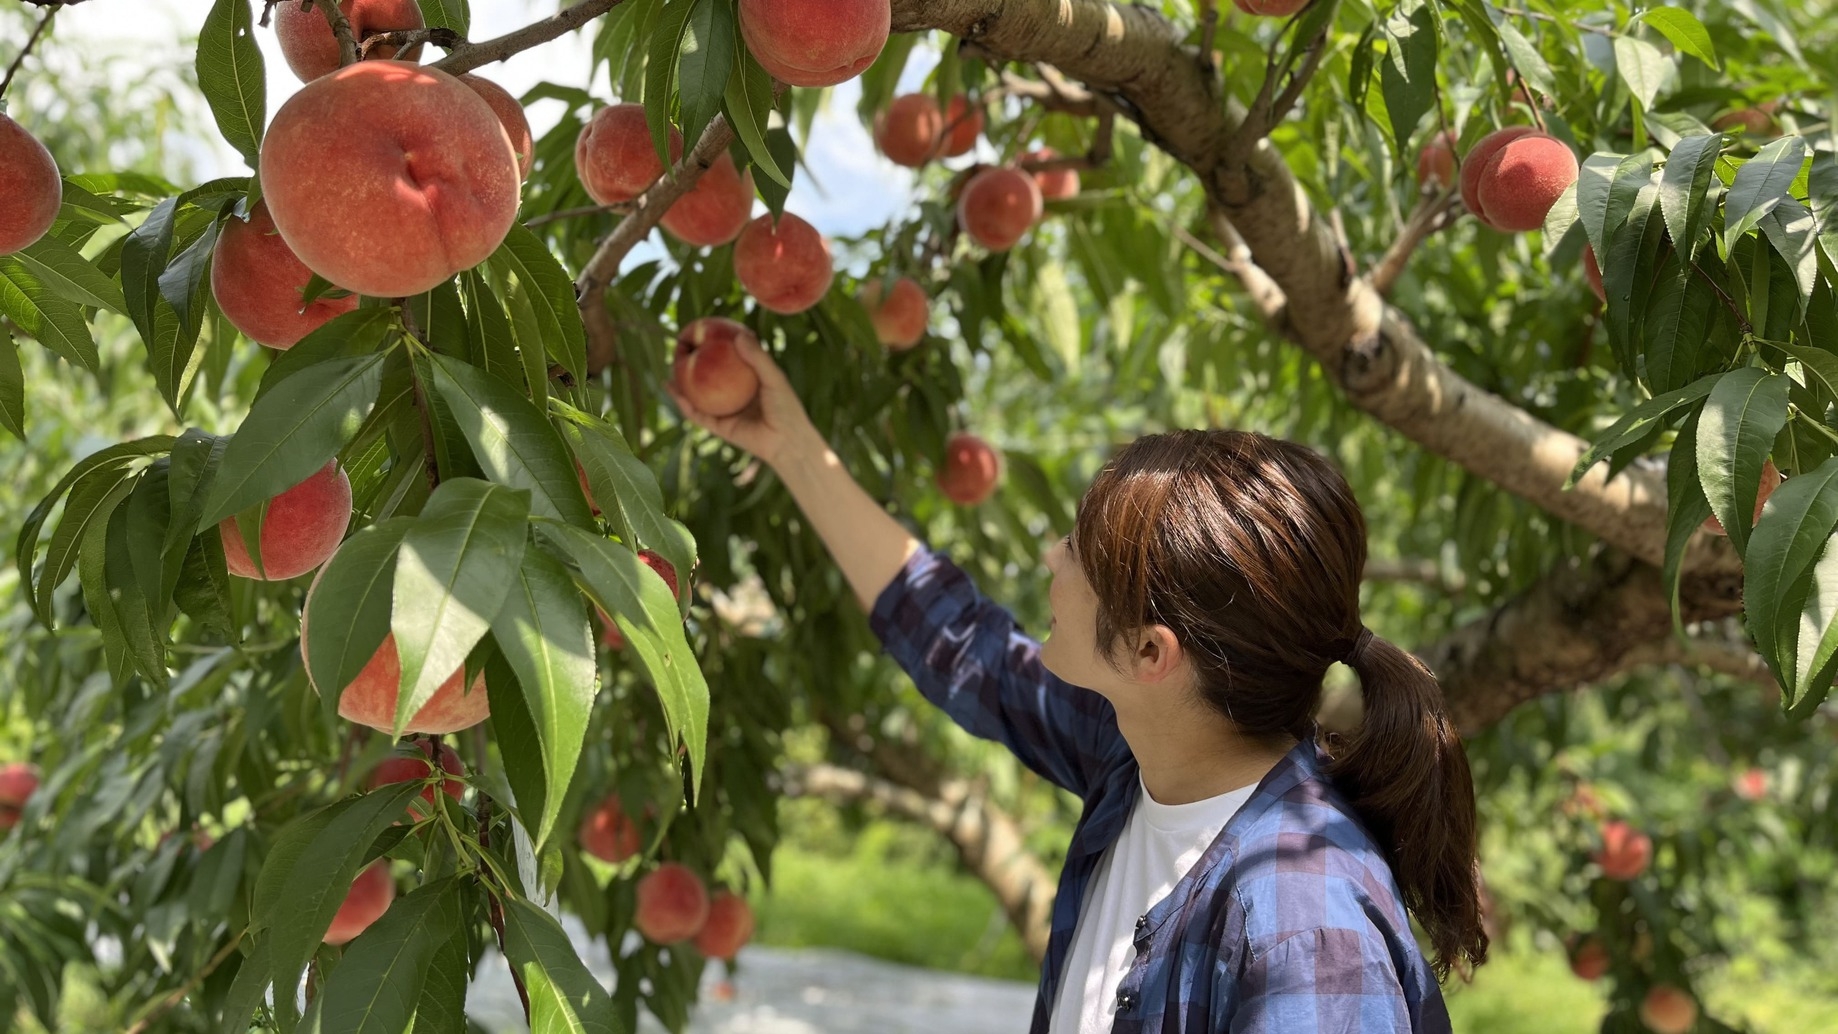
(1250, 550)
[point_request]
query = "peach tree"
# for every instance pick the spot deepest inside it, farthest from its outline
(412, 372)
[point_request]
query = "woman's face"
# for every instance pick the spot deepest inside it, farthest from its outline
(1070, 648)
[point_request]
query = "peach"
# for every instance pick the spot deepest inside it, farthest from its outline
(971, 469)
(1757, 121)
(1590, 960)
(786, 266)
(729, 926)
(1770, 480)
(18, 782)
(998, 207)
(1523, 179)
(1625, 851)
(312, 51)
(610, 634)
(29, 182)
(258, 280)
(908, 131)
(672, 904)
(399, 768)
(962, 125)
(815, 42)
(608, 833)
(300, 531)
(387, 178)
(1055, 184)
(580, 474)
(365, 903)
(709, 371)
(717, 210)
(1478, 157)
(1593, 273)
(614, 155)
(370, 699)
(1436, 162)
(510, 115)
(1752, 784)
(1271, 8)
(899, 319)
(1668, 1010)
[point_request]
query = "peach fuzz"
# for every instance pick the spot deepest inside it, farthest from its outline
(729, 926)
(672, 904)
(1054, 184)
(718, 208)
(310, 48)
(258, 281)
(400, 768)
(610, 632)
(387, 178)
(615, 157)
(901, 318)
(962, 125)
(908, 131)
(29, 182)
(1523, 179)
(369, 897)
(608, 833)
(999, 206)
(786, 267)
(301, 529)
(815, 42)
(510, 115)
(971, 469)
(1477, 158)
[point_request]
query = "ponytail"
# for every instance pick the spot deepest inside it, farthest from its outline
(1406, 773)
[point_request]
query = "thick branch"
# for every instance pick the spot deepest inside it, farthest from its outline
(467, 57)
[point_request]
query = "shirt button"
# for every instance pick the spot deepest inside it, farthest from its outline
(1142, 922)
(1126, 1000)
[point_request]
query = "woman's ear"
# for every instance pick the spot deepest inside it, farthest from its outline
(1158, 654)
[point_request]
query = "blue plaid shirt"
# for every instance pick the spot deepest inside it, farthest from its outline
(1290, 922)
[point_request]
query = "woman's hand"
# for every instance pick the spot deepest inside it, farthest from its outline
(772, 425)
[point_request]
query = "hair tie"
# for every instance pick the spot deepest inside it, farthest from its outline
(1360, 642)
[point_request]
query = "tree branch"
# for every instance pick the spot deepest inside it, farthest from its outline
(469, 56)
(402, 39)
(1434, 211)
(31, 41)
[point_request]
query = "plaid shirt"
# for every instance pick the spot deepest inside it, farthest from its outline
(1290, 922)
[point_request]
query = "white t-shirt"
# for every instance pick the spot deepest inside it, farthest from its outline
(1159, 844)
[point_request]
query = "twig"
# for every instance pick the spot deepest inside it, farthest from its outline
(1433, 212)
(648, 208)
(341, 31)
(467, 57)
(167, 1003)
(13, 69)
(571, 213)
(496, 907)
(402, 39)
(1209, 31)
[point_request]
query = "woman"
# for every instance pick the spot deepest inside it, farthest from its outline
(1225, 875)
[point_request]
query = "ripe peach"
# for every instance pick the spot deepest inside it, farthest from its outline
(1590, 960)
(908, 131)
(1478, 157)
(672, 904)
(18, 782)
(365, 903)
(1523, 180)
(30, 184)
(312, 51)
(387, 178)
(608, 833)
(399, 768)
(1054, 184)
(1668, 1010)
(1593, 273)
(998, 207)
(729, 926)
(1757, 121)
(717, 210)
(900, 319)
(815, 42)
(1770, 480)
(580, 474)
(971, 469)
(1625, 851)
(257, 281)
(786, 267)
(301, 530)
(962, 125)
(1436, 162)
(708, 370)
(1271, 8)
(614, 155)
(610, 634)
(510, 114)
(1752, 784)
(370, 699)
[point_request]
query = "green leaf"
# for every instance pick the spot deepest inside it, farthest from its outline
(187, 277)
(442, 1009)
(493, 347)
(1643, 67)
(749, 103)
(248, 989)
(1688, 509)
(64, 271)
(1744, 412)
(1683, 30)
(1628, 271)
(293, 430)
(231, 76)
(550, 292)
(457, 564)
(785, 153)
(108, 465)
(137, 615)
(52, 321)
(1817, 641)
(661, 73)
(376, 985)
(1675, 331)
(143, 258)
(1793, 232)
(564, 996)
(12, 387)
(447, 14)
(348, 609)
(355, 333)
(1798, 521)
(1526, 58)
(1597, 182)
(1760, 184)
(543, 633)
(1408, 78)
(645, 610)
(1820, 365)
(707, 59)
(615, 474)
(512, 441)
(1638, 424)
(1684, 189)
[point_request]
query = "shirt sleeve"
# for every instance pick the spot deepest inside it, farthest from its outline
(968, 656)
(1322, 981)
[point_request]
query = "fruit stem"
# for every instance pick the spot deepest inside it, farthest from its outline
(496, 906)
(341, 31)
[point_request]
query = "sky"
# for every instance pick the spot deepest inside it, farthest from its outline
(860, 188)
